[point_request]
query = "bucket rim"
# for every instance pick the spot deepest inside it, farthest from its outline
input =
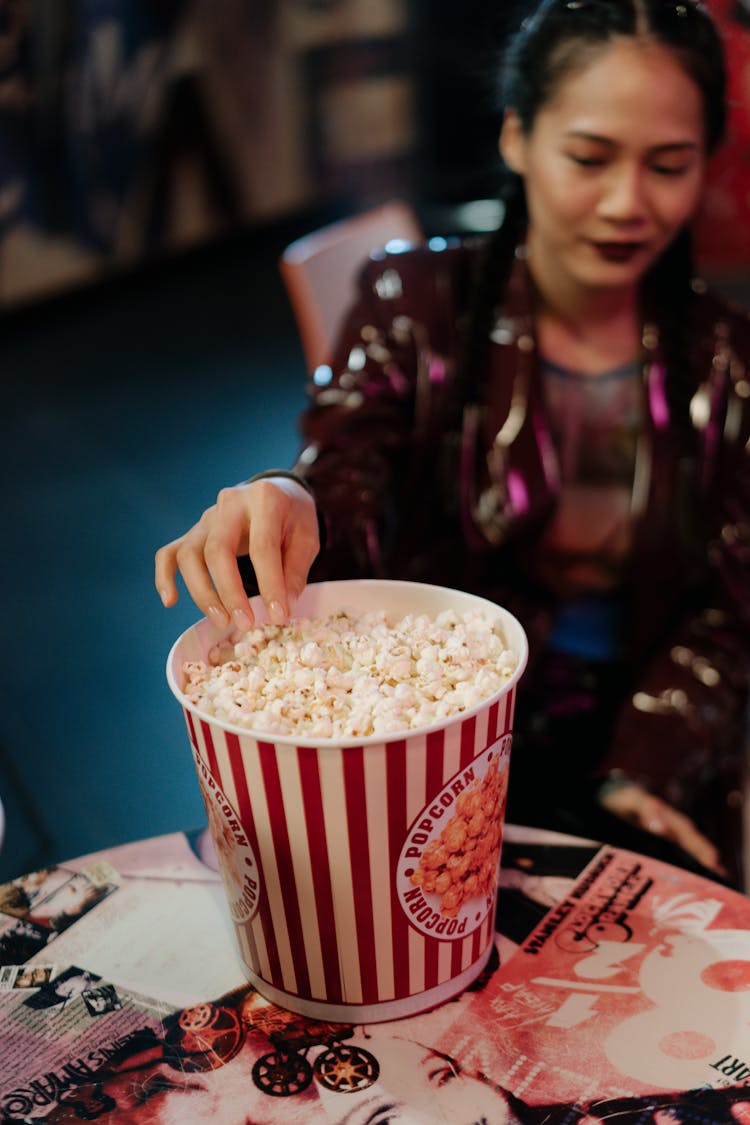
(204, 625)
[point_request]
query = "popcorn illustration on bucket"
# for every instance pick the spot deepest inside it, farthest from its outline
(447, 871)
(360, 868)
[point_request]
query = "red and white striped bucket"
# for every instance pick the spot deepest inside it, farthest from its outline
(318, 842)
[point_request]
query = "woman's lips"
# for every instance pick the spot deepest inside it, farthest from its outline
(618, 251)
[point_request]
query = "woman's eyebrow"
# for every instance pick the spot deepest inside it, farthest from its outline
(382, 1107)
(358, 1111)
(666, 146)
(677, 146)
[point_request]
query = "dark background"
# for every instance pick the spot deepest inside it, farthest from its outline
(135, 392)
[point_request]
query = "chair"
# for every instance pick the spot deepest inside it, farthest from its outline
(320, 269)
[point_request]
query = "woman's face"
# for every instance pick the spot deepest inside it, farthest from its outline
(416, 1086)
(613, 167)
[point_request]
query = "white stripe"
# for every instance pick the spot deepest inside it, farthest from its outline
(244, 945)
(331, 768)
(270, 869)
(416, 776)
(225, 779)
(445, 953)
(482, 737)
(416, 955)
(376, 800)
(291, 788)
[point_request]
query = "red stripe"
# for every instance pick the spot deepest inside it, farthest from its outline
(456, 958)
(280, 836)
(509, 702)
(245, 813)
(435, 746)
(492, 723)
(359, 849)
(395, 758)
(477, 941)
(316, 836)
(191, 731)
(211, 760)
(488, 931)
(468, 741)
(512, 705)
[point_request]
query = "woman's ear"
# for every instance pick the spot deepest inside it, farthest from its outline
(512, 143)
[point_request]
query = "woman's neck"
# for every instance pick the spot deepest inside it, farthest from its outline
(591, 331)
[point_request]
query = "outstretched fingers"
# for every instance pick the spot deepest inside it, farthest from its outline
(206, 557)
(275, 520)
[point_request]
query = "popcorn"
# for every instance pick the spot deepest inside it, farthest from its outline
(462, 861)
(350, 675)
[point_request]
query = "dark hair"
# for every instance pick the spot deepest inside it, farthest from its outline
(555, 40)
(562, 35)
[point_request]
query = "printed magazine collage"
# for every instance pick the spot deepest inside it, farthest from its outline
(618, 990)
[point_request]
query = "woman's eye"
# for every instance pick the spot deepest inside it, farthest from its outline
(669, 170)
(443, 1074)
(384, 1116)
(587, 161)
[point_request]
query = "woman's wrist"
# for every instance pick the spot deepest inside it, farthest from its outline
(287, 474)
(613, 782)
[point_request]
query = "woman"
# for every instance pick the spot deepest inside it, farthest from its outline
(555, 418)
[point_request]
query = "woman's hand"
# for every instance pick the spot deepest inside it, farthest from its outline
(634, 803)
(274, 520)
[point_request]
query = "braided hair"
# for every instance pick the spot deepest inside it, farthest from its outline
(555, 40)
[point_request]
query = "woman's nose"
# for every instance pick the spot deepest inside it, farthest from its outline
(624, 196)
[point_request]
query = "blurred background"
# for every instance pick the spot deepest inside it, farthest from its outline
(156, 156)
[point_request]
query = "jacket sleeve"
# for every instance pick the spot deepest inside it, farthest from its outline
(368, 413)
(682, 730)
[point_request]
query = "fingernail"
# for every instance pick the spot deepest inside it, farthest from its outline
(218, 616)
(242, 620)
(276, 613)
(656, 825)
(164, 595)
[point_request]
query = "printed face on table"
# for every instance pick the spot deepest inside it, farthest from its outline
(419, 1086)
(33, 977)
(613, 166)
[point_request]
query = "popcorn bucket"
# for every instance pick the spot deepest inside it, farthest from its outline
(361, 875)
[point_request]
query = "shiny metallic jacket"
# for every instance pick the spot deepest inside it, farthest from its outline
(414, 481)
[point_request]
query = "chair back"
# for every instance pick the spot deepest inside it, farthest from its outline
(320, 270)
